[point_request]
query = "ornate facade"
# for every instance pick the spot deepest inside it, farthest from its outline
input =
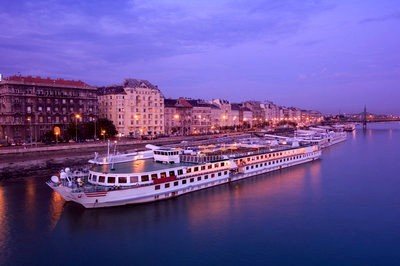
(32, 106)
(136, 107)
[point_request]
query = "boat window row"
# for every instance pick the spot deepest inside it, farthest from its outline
(191, 180)
(133, 179)
(113, 179)
(166, 153)
(280, 161)
(270, 155)
(203, 167)
(172, 173)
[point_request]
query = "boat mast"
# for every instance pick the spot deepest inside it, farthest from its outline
(108, 150)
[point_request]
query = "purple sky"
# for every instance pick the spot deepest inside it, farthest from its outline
(331, 56)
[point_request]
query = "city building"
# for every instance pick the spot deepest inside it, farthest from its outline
(311, 117)
(30, 106)
(205, 116)
(258, 112)
(245, 115)
(136, 107)
(272, 112)
(228, 117)
(178, 116)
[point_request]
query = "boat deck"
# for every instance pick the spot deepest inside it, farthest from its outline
(138, 166)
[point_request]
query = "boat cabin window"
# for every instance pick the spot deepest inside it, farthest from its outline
(222, 164)
(188, 170)
(94, 178)
(145, 178)
(111, 180)
(133, 179)
(163, 175)
(171, 173)
(209, 166)
(203, 167)
(102, 179)
(122, 180)
(216, 165)
(167, 185)
(196, 169)
(180, 172)
(153, 176)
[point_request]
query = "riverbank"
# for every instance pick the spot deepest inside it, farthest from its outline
(22, 162)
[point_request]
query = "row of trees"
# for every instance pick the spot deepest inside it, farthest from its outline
(102, 128)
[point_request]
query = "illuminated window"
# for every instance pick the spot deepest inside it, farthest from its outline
(133, 179)
(122, 180)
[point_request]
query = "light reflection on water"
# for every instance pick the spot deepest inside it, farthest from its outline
(55, 209)
(4, 230)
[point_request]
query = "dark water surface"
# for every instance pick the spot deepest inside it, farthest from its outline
(341, 210)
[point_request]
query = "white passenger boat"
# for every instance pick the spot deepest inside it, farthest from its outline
(173, 172)
(349, 127)
(322, 136)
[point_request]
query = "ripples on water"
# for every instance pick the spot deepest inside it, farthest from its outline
(343, 209)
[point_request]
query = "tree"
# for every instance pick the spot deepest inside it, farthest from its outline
(105, 125)
(86, 130)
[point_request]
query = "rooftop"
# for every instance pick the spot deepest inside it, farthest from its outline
(30, 80)
(115, 89)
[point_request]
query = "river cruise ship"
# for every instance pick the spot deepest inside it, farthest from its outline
(171, 172)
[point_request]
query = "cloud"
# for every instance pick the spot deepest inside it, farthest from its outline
(393, 16)
(308, 43)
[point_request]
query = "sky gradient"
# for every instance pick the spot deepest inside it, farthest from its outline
(333, 56)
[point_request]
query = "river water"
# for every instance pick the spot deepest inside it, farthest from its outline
(341, 210)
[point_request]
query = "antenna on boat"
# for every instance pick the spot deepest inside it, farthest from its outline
(115, 150)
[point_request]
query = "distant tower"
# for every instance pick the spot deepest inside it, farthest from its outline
(364, 117)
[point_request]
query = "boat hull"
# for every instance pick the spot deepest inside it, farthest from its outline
(147, 194)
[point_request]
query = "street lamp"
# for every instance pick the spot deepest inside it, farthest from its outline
(30, 130)
(95, 121)
(103, 133)
(77, 116)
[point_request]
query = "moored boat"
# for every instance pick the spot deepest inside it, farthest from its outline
(171, 172)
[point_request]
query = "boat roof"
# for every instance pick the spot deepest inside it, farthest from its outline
(138, 166)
